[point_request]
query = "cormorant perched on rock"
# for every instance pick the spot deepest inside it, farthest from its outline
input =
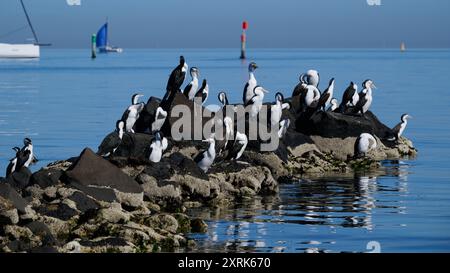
(399, 128)
(365, 97)
(363, 144)
(158, 146)
(131, 115)
(174, 83)
(112, 141)
(160, 118)
(206, 158)
(350, 97)
(237, 147)
(13, 163)
(256, 101)
(191, 89)
(251, 83)
(27, 154)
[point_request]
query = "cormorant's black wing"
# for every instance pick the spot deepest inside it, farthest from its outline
(176, 79)
(187, 89)
(396, 129)
(9, 168)
(362, 100)
(323, 99)
(244, 94)
(199, 157)
(250, 101)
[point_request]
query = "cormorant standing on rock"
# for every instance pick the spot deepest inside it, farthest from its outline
(13, 163)
(131, 115)
(363, 144)
(191, 89)
(160, 118)
(158, 146)
(399, 128)
(206, 158)
(256, 101)
(174, 83)
(112, 141)
(349, 98)
(365, 97)
(251, 83)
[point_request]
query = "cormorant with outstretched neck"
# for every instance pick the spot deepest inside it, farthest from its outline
(251, 83)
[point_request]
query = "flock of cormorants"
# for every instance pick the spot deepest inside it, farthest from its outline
(235, 142)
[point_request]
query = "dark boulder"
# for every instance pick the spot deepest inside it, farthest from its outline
(42, 230)
(83, 202)
(60, 211)
(135, 146)
(46, 178)
(19, 179)
(100, 194)
(10, 194)
(332, 124)
(147, 116)
(91, 170)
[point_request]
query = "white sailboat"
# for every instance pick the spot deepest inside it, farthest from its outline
(22, 50)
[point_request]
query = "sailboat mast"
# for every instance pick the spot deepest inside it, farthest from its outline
(29, 23)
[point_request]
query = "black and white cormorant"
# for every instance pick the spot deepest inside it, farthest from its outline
(174, 83)
(333, 105)
(13, 163)
(310, 97)
(191, 89)
(228, 127)
(400, 128)
(206, 158)
(160, 118)
(27, 153)
(158, 146)
(202, 93)
(131, 115)
(326, 96)
(363, 144)
(237, 147)
(350, 97)
(256, 101)
(276, 110)
(251, 83)
(365, 97)
(112, 141)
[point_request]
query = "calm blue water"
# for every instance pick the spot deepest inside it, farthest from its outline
(65, 101)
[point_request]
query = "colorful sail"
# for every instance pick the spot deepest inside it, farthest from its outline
(102, 36)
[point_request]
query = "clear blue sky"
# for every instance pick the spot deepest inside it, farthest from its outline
(213, 23)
